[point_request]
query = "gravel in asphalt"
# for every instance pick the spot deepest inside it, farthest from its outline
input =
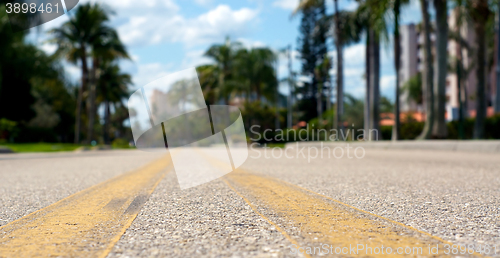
(29, 182)
(206, 221)
(452, 195)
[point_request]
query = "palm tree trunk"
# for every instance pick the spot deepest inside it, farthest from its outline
(319, 107)
(480, 14)
(439, 130)
(340, 77)
(497, 91)
(428, 72)
(107, 117)
(329, 99)
(79, 101)
(374, 129)
(479, 29)
(291, 85)
(395, 128)
(277, 97)
(459, 68)
(367, 90)
(91, 103)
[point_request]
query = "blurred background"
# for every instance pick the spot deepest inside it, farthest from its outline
(402, 69)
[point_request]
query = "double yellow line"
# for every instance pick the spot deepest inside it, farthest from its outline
(325, 223)
(86, 224)
(91, 222)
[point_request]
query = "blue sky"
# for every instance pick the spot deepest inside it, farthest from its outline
(164, 36)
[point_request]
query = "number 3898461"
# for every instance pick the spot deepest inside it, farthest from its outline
(32, 8)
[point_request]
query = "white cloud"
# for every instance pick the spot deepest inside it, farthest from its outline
(73, 73)
(159, 21)
(135, 58)
(247, 43)
(48, 48)
(286, 4)
(387, 82)
(210, 26)
(351, 6)
(355, 55)
(128, 8)
(195, 58)
(147, 73)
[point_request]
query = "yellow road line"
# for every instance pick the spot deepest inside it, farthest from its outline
(321, 221)
(283, 232)
(468, 250)
(369, 213)
(85, 224)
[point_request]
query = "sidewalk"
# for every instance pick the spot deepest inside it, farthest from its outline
(492, 146)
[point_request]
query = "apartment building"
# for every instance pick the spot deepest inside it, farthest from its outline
(409, 65)
(412, 62)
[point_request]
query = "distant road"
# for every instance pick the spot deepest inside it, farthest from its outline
(128, 204)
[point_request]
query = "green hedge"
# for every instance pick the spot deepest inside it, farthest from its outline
(410, 131)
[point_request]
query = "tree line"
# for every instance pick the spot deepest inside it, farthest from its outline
(379, 21)
(38, 102)
(236, 69)
(42, 103)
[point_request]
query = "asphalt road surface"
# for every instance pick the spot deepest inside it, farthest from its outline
(129, 204)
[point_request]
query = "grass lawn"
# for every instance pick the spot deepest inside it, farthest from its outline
(40, 147)
(276, 145)
(48, 147)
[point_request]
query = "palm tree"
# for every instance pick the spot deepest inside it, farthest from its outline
(340, 68)
(439, 130)
(373, 82)
(457, 63)
(428, 72)
(291, 87)
(497, 91)
(397, 60)
(371, 19)
(207, 75)
(223, 56)
(383, 8)
(480, 13)
(255, 68)
(112, 88)
(74, 39)
(106, 47)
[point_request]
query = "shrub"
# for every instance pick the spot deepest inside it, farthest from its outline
(8, 130)
(411, 130)
(120, 143)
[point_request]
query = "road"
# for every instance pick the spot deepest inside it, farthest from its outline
(129, 204)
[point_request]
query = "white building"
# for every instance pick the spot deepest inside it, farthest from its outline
(412, 62)
(408, 65)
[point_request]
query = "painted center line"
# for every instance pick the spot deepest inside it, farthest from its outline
(85, 224)
(310, 221)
